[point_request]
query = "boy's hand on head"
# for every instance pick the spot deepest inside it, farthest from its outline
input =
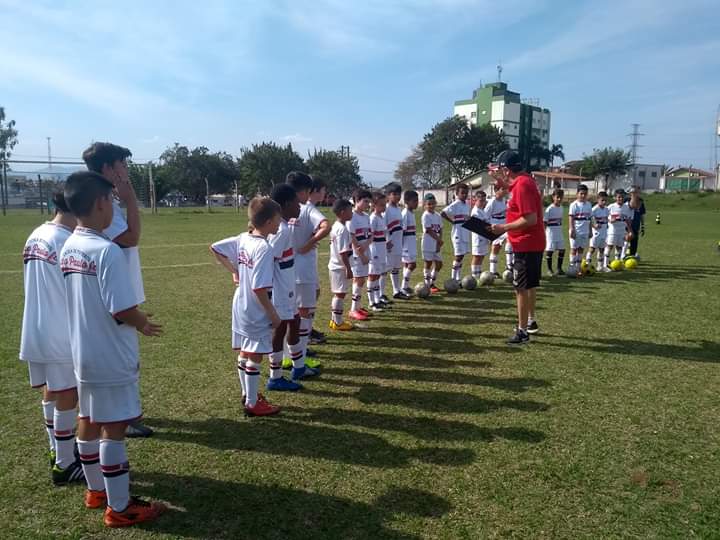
(124, 189)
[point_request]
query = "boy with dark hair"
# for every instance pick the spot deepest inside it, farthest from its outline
(580, 213)
(45, 339)
(457, 213)
(431, 242)
(495, 211)
(110, 160)
(479, 244)
(339, 264)
(254, 316)
(103, 323)
(378, 252)
(409, 240)
(619, 226)
(600, 214)
(394, 220)
(554, 240)
(360, 238)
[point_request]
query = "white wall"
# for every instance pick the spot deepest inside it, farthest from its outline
(466, 112)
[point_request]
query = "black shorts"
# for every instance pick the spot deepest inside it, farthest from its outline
(526, 270)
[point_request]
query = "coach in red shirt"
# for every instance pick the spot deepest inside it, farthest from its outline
(526, 234)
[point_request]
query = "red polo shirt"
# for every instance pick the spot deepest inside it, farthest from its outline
(525, 199)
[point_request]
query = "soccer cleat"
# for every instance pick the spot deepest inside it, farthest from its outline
(286, 363)
(533, 328)
(317, 338)
(385, 300)
(309, 353)
(377, 307)
(434, 290)
(70, 474)
(136, 429)
(521, 337)
(283, 385)
(342, 327)
(52, 456)
(95, 499)
(138, 511)
(305, 372)
(408, 292)
(384, 305)
(357, 316)
(365, 311)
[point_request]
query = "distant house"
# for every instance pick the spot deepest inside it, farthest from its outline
(687, 179)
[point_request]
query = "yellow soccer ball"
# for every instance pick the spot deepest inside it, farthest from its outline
(631, 263)
(616, 265)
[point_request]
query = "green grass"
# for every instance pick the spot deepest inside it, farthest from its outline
(424, 426)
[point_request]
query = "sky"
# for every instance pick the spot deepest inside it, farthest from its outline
(373, 75)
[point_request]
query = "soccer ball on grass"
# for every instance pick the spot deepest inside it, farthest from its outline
(469, 283)
(422, 290)
(451, 286)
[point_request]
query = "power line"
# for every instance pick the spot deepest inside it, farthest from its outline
(377, 158)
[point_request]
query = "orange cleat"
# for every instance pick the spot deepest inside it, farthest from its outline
(434, 289)
(261, 408)
(138, 511)
(95, 499)
(358, 316)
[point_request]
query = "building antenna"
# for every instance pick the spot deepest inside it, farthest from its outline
(499, 70)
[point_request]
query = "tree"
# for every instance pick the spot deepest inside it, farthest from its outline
(340, 172)
(556, 151)
(8, 136)
(605, 163)
(264, 165)
(407, 172)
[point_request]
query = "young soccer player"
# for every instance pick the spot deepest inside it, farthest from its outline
(317, 197)
(45, 339)
(619, 219)
(250, 256)
(308, 230)
(431, 242)
(600, 214)
(378, 252)
(103, 322)
(409, 241)
(580, 213)
(283, 296)
(360, 238)
(394, 220)
(339, 264)
(457, 213)
(495, 211)
(480, 244)
(554, 240)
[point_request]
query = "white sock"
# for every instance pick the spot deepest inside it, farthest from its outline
(252, 382)
(456, 271)
(376, 292)
(407, 274)
(356, 297)
(624, 250)
(493, 264)
(297, 355)
(49, 416)
(433, 277)
(305, 326)
(588, 257)
(65, 437)
(427, 275)
(606, 256)
(476, 270)
(381, 283)
(371, 293)
(508, 260)
(395, 279)
(241, 374)
(90, 459)
(116, 473)
(337, 310)
(276, 364)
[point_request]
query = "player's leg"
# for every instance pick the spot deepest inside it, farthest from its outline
(494, 250)
(407, 276)
(456, 273)
(549, 260)
(65, 418)
(509, 256)
(88, 443)
(277, 381)
(37, 380)
(435, 272)
(428, 269)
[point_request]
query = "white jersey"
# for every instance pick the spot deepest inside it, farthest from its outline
(98, 287)
(581, 212)
(618, 214)
(495, 211)
(480, 214)
(409, 242)
(283, 293)
(378, 246)
(303, 228)
(360, 229)
(132, 254)
(600, 217)
(458, 212)
(394, 220)
(252, 257)
(433, 222)
(45, 335)
(553, 222)
(339, 244)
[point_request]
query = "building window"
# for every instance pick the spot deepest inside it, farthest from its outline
(473, 114)
(653, 174)
(641, 174)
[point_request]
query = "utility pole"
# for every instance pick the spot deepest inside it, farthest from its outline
(40, 194)
(345, 151)
(716, 145)
(49, 154)
(634, 145)
(151, 185)
(2, 187)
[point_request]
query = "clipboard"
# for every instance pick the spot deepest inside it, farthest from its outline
(481, 227)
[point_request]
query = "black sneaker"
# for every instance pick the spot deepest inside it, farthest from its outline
(310, 353)
(384, 305)
(385, 300)
(377, 307)
(70, 474)
(521, 337)
(136, 429)
(533, 328)
(401, 296)
(408, 291)
(317, 338)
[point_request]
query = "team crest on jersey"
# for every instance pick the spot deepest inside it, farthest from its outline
(244, 259)
(38, 249)
(75, 261)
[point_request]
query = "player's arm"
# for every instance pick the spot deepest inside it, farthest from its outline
(140, 320)
(345, 258)
(264, 299)
(571, 231)
(223, 260)
(445, 217)
(126, 193)
(322, 231)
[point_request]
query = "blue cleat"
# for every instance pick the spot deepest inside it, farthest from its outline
(304, 373)
(283, 385)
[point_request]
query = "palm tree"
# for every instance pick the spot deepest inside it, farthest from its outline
(556, 151)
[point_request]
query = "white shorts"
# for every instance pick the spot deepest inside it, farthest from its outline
(394, 261)
(258, 344)
(508, 247)
(614, 240)
(286, 312)
(339, 283)
(58, 376)
(460, 247)
(409, 252)
(432, 256)
(500, 239)
(107, 404)
(306, 295)
(579, 242)
(553, 243)
(377, 267)
(359, 269)
(598, 241)
(480, 245)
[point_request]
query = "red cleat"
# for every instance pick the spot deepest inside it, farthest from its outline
(261, 408)
(434, 290)
(95, 499)
(138, 511)
(358, 316)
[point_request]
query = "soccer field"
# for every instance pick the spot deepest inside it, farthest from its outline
(424, 425)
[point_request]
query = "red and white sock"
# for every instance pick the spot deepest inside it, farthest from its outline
(252, 372)
(337, 310)
(297, 355)
(65, 437)
(276, 364)
(49, 416)
(90, 459)
(395, 279)
(116, 473)
(356, 297)
(241, 373)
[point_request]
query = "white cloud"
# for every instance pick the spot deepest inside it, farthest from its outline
(296, 138)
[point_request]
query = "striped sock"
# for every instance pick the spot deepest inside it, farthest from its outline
(493, 264)
(305, 326)
(276, 364)
(395, 278)
(65, 437)
(427, 276)
(433, 277)
(297, 355)
(356, 297)
(476, 270)
(337, 310)
(252, 382)
(49, 416)
(456, 270)
(241, 373)
(90, 459)
(116, 473)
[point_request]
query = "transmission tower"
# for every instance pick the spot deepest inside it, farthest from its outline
(716, 146)
(634, 145)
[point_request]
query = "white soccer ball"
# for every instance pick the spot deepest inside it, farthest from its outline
(572, 271)
(508, 276)
(487, 278)
(422, 290)
(469, 283)
(451, 286)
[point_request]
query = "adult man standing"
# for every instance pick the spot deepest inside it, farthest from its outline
(110, 160)
(637, 205)
(524, 226)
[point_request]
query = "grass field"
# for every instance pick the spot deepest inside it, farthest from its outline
(423, 426)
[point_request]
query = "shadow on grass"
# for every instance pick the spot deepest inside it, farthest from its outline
(285, 437)
(399, 358)
(224, 509)
(424, 428)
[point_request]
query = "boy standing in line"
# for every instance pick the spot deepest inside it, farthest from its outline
(580, 213)
(409, 239)
(394, 220)
(457, 213)
(360, 238)
(554, 240)
(339, 264)
(431, 242)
